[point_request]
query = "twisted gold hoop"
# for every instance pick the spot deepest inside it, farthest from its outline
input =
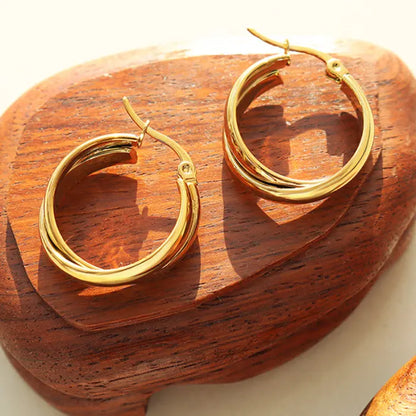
(96, 154)
(259, 78)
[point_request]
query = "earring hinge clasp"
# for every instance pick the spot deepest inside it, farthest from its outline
(144, 131)
(186, 168)
(334, 67)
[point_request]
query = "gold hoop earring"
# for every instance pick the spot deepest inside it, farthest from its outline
(261, 77)
(104, 151)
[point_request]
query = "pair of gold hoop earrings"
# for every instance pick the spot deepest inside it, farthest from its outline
(112, 149)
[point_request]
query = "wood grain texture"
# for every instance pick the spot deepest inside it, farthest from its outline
(125, 218)
(398, 396)
(264, 280)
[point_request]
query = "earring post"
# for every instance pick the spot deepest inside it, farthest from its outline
(335, 68)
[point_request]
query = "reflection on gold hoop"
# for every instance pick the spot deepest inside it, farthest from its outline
(104, 151)
(259, 78)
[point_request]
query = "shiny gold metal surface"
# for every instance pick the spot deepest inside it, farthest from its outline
(94, 155)
(261, 77)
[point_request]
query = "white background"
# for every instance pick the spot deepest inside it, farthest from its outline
(341, 373)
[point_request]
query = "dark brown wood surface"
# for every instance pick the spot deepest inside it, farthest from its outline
(264, 280)
(398, 396)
